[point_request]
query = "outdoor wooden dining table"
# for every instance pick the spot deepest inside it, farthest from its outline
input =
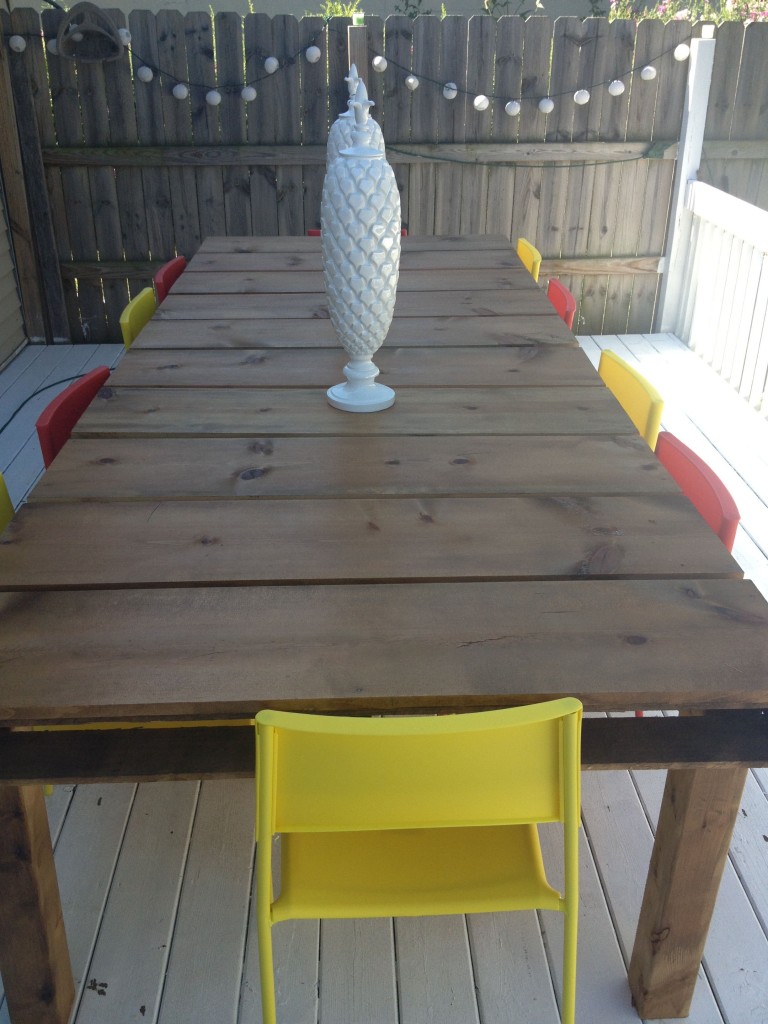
(215, 539)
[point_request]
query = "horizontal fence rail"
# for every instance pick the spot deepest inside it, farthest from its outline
(723, 314)
(121, 175)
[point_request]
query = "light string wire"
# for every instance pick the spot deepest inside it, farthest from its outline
(571, 164)
(291, 60)
(549, 95)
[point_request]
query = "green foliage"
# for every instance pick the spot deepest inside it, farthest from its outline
(336, 9)
(411, 8)
(717, 11)
(497, 8)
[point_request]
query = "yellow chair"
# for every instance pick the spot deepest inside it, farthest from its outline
(638, 398)
(136, 315)
(6, 505)
(413, 816)
(530, 256)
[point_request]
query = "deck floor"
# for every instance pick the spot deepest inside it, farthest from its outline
(156, 880)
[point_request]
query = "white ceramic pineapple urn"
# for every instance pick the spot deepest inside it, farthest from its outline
(360, 218)
(340, 135)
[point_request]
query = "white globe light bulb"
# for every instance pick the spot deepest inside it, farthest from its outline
(648, 73)
(481, 102)
(546, 106)
(450, 90)
(145, 74)
(52, 46)
(125, 36)
(180, 91)
(76, 35)
(248, 94)
(581, 96)
(682, 52)
(379, 63)
(512, 108)
(213, 98)
(412, 82)
(313, 54)
(616, 88)
(18, 44)
(271, 64)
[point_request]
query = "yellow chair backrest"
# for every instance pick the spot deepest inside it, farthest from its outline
(136, 315)
(349, 774)
(530, 256)
(397, 816)
(638, 397)
(6, 505)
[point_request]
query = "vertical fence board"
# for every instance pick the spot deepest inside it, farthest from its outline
(722, 98)
(106, 213)
(615, 52)
(316, 114)
(398, 42)
(508, 76)
(76, 188)
(451, 121)
(177, 124)
(424, 121)
(229, 59)
(261, 125)
(481, 44)
(533, 124)
(206, 129)
(290, 194)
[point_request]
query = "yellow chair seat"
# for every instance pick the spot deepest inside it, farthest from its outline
(409, 872)
(637, 396)
(6, 505)
(137, 314)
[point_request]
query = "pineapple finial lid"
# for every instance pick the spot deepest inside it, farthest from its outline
(352, 80)
(361, 133)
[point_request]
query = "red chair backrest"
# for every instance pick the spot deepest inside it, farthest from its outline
(55, 423)
(166, 276)
(704, 489)
(562, 300)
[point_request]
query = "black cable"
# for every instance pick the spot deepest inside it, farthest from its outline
(45, 387)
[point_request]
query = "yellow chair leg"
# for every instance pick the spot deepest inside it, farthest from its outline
(266, 973)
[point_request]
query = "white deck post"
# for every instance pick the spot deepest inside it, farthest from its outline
(688, 161)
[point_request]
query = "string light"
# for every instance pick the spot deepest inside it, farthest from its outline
(145, 73)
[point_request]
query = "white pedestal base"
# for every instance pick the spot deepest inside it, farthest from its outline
(360, 392)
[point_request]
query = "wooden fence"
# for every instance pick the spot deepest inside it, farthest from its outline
(120, 175)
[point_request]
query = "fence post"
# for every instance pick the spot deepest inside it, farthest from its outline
(357, 45)
(688, 161)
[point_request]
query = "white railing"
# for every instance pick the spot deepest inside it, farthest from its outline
(722, 313)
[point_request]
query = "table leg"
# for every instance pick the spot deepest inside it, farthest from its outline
(692, 839)
(34, 958)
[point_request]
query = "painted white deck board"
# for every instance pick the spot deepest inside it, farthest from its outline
(158, 888)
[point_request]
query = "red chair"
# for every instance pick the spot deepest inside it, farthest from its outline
(314, 232)
(563, 301)
(701, 486)
(55, 423)
(167, 275)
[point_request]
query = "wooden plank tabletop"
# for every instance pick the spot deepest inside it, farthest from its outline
(444, 331)
(216, 538)
(519, 366)
(125, 468)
